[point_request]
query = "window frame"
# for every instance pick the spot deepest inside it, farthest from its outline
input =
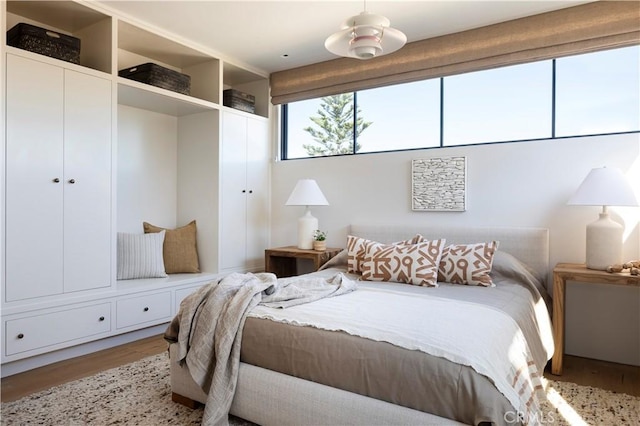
(284, 143)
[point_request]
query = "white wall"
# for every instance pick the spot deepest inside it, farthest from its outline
(513, 184)
(147, 169)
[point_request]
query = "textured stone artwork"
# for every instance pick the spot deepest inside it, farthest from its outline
(439, 184)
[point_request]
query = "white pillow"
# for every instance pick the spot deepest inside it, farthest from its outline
(140, 256)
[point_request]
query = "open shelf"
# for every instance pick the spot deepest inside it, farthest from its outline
(92, 27)
(160, 100)
(137, 46)
(248, 82)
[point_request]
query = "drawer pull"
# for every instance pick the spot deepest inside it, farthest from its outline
(56, 180)
(146, 309)
(101, 319)
(72, 181)
(20, 336)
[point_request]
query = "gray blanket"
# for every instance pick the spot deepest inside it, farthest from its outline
(208, 327)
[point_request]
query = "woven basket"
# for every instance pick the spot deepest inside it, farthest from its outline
(158, 76)
(44, 42)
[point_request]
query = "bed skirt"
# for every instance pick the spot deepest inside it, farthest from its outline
(268, 398)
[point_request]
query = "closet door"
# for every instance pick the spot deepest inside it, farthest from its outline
(258, 197)
(233, 215)
(87, 182)
(34, 179)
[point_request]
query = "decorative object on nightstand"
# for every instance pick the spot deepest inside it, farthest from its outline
(605, 186)
(306, 193)
(319, 240)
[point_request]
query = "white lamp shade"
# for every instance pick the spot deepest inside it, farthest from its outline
(307, 193)
(605, 186)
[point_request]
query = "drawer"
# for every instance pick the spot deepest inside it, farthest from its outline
(143, 309)
(38, 331)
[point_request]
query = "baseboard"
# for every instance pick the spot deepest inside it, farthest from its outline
(15, 367)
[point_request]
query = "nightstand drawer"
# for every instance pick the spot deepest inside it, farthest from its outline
(39, 331)
(143, 309)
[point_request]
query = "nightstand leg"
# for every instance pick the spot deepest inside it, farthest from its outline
(559, 285)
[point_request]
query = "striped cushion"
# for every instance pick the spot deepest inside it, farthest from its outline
(140, 256)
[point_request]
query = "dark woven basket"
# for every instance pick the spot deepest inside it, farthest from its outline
(45, 42)
(239, 100)
(158, 76)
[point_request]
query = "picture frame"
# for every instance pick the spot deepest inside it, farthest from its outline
(439, 184)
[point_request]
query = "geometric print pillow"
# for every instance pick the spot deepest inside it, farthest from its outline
(415, 264)
(357, 247)
(468, 264)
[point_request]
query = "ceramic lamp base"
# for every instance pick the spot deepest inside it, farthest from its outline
(604, 243)
(306, 225)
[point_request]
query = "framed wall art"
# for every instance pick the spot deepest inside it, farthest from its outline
(439, 184)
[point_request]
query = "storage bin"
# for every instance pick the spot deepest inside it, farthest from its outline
(239, 100)
(158, 76)
(44, 42)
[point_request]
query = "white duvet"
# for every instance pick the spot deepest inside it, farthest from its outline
(477, 335)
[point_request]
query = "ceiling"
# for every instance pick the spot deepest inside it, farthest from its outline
(269, 36)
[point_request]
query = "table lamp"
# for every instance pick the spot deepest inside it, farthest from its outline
(605, 186)
(306, 193)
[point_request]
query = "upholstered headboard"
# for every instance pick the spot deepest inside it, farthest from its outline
(530, 245)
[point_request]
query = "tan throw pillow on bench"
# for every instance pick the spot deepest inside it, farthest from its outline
(180, 251)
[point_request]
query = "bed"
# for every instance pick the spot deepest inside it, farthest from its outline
(295, 371)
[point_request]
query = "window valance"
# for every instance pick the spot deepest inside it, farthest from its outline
(580, 29)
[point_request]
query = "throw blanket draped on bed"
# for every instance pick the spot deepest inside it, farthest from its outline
(208, 327)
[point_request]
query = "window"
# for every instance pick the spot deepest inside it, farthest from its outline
(502, 104)
(589, 94)
(598, 92)
(402, 117)
(298, 119)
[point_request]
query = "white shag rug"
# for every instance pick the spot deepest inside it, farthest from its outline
(139, 394)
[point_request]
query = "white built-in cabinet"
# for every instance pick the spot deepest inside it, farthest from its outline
(88, 154)
(244, 192)
(58, 180)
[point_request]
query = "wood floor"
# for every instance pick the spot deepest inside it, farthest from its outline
(601, 374)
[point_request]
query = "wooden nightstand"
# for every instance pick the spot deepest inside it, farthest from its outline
(578, 272)
(282, 260)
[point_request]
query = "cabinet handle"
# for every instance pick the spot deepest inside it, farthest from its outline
(146, 309)
(251, 191)
(72, 181)
(244, 191)
(56, 180)
(20, 336)
(101, 319)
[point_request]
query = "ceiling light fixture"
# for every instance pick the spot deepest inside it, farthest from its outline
(365, 36)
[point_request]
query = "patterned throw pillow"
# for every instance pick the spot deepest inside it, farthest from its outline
(467, 264)
(356, 248)
(413, 264)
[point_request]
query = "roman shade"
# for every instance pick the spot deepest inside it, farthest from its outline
(580, 29)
